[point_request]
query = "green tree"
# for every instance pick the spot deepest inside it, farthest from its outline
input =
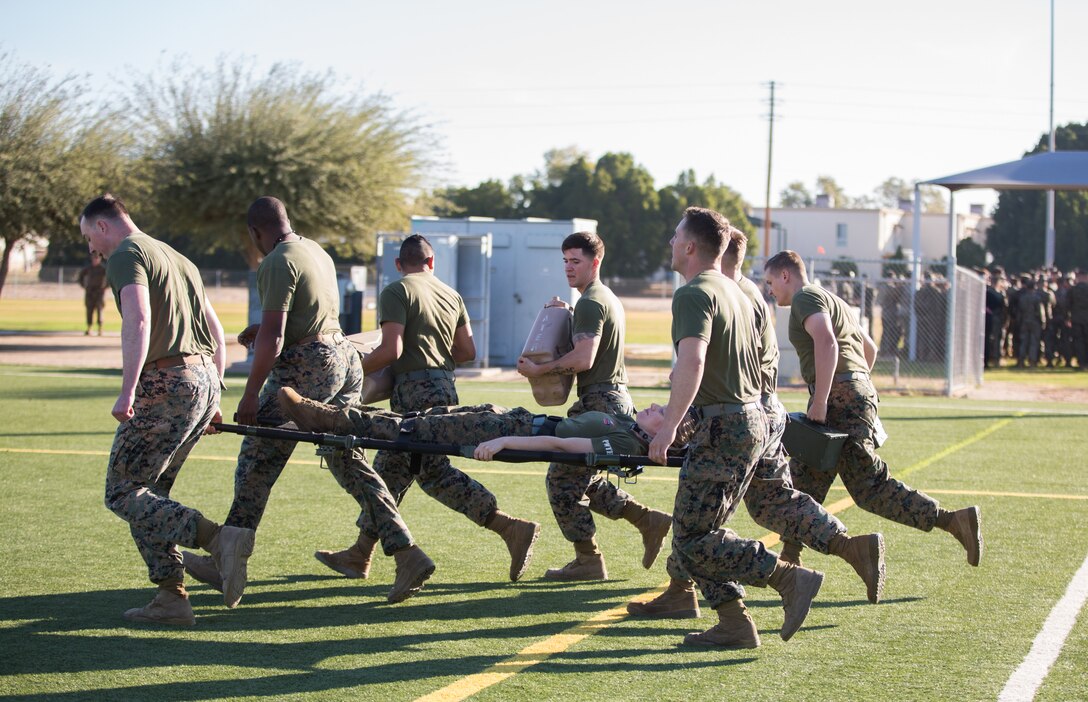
(970, 253)
(344, 162)
(1018, 236)
(488, 199)
(795, 195)
(826, 185)
(892, 190)
(687, 191)
(55, 151)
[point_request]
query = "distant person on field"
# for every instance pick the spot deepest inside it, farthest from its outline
(173, 355)
(92, 278)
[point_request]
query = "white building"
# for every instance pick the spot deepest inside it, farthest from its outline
(867, 235)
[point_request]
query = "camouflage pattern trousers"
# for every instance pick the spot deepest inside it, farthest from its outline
(570, 485)
(773, 502)
(852, 409)
(471, 424)
(437, 477)
(172, 408)
(720, 462)
(332, 374)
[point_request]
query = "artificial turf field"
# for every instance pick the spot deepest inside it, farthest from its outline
(945, 631)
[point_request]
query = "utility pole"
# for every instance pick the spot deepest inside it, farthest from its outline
(1048, 253)
(767, 205)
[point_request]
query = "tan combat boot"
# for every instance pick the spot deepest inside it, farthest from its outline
(866, 554)
(679, 601)
(735, 629)
(313, 416)
(231, 548)
(966, 526)
(202, 568)
(652, 524)
(353, 562)
(791, 553)
(168, 607)
(798, 587)
(519, 536)
(413, 569)
(588, 564)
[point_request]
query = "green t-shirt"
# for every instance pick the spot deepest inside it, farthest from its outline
(431, 313)
(299, 278)
(610, 435)
(712, 308)
(768, 339)
(176, 293)
(599, 313)
(810, 300)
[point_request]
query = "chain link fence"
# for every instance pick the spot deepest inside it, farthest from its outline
(929, 337)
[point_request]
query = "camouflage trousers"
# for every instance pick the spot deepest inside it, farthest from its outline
(361, 481)
(327, 373)
(773, 502)
(720, 462)
(852, 409)
(570, 485)
(437, 476)
(172, 408)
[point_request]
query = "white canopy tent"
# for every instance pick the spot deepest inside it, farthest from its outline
(1057, 170)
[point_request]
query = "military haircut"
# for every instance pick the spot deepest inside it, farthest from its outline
(104, 207)
(589, 243)
(738, 244)
(709, 230)
(267, 214)
(786, 260)
(415, 250)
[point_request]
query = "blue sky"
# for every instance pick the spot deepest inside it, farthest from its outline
(867, 89)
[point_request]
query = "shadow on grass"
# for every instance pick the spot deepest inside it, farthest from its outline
(57, 433)
(83, 632)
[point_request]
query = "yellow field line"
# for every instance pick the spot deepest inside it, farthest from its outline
(554, 645)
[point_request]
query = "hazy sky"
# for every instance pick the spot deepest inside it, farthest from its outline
(867, 89)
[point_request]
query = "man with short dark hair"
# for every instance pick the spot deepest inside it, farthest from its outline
(718, 371)
(173, 355)
(836, 356)
(597, 362)
(425, 333)
(298, 344)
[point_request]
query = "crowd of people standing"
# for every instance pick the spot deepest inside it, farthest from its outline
(1036, 318)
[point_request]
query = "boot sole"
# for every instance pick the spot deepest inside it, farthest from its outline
(516, 573)
(569, 579)
(650, 555)
(417, 581)
(975, 523)
(234, 581)
(874, 589)
(323, 558)
(693, 640)
(804, 598)
(674, 614)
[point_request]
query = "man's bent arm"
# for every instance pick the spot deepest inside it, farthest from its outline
(218, 336)
(135, 340)
(266, 348)
(687, 375)
(388, 351)
(580, 358)
(464, 347)
(826, 357)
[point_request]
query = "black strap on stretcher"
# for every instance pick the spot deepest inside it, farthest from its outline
(418, 448)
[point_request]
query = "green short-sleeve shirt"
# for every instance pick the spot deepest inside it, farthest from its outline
(768, 339)
(299, 278)
(599, 313)
(431, 313)
(176, 294)
(810, 300)
(712, 308)
(609, 434)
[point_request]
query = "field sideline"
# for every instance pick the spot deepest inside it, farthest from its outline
(945, 630)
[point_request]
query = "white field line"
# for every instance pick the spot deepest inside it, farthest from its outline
(1026, 679)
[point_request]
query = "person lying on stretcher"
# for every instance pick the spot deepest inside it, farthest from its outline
(489, 427)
